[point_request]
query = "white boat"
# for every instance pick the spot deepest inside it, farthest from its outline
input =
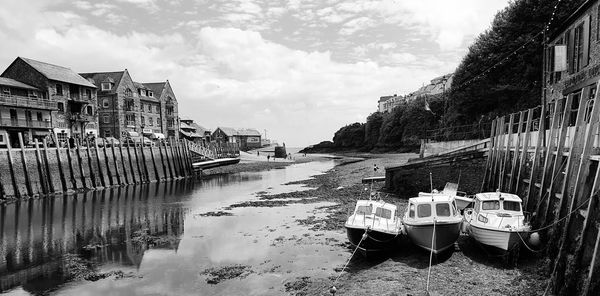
(378, 220)
(451, 189)
(497, 220)
(432, 222)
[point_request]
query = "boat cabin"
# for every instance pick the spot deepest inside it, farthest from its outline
(499, 209)
(378, 209)
(427, 207)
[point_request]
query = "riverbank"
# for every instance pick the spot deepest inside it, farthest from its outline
(469, 270)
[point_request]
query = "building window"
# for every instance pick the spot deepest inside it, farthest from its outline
(150, 94)
(150, 121)
(128, 93)
(28, 116)
(140, 91)
(33, 93)
(149, 108)
(88, 93)
(106, 86)
(106, 133)
(6, 91)
(157, 109)
(130, 119)
(142, 120)
(13, 114)
(129, 104)
(39, 116)
(578, 46)
(105, 103)
(61, 107)
(89, 110)
(106, 118)
(59, 89)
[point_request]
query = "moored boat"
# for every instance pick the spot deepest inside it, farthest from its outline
(432, 222)
(497, 220)
(373, 226)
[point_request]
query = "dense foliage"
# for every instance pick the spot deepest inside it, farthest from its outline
(476, 96)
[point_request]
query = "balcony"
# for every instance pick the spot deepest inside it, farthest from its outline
(81, 117)
(27, 102)
(24, 123)
(79, 98)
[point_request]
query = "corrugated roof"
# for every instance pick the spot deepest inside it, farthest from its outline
(58, 73)
(13, 83)
(229, 131)
(100, 77)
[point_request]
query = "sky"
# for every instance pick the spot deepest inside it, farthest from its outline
(295, 69)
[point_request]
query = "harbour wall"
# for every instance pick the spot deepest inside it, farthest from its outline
(44, 170)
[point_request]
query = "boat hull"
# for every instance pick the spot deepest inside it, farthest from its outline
(376, 241)
(503, 240)
(446, 235)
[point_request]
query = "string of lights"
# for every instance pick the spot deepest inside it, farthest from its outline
(505, 58)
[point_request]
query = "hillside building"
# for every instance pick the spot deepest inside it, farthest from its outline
(246, 138)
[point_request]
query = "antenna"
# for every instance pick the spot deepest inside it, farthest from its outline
(431, 184)
(458, 182)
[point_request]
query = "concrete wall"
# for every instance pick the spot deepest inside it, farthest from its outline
(432, 148)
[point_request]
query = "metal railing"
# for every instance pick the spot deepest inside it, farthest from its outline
(24, 123)
(20, 101)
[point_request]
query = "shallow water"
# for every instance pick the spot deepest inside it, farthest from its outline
(104, 227)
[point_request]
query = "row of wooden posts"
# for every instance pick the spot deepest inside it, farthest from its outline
(549, 156)
(69, 169)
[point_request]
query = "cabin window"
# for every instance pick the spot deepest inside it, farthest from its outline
(481, 218)
(490, 205)
(364, 210)
(424, 210)
(442, 209)
(383, 213)
(511, 206)
(477, 205)
(411, 211)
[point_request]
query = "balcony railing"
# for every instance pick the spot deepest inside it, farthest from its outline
(80, 98)
(24, 123)
(82, 117)
(27, 102)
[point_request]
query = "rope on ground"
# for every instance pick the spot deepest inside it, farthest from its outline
(333, 288)
(431, 255)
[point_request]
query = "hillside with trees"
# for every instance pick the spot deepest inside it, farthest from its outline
(500, 74)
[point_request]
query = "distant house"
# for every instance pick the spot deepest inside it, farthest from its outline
(75, 97)
(246, 138)
(190, 130)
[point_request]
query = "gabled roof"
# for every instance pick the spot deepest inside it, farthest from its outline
(156, 87)
(100, 77)
(17, 84)
(58, 73)
(229, 131)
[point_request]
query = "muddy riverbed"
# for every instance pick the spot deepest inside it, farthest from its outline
(276, 230)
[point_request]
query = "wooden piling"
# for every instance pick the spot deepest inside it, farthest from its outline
(47, 166)
(524, 151)
(90, 165)
(63, 180)
(156, 175)
(133, 178)
(144, 162)
(125, 174)
(25, 169)
(40, 168)
(516, 154)
(137, 163)
(115, 162)
(80, 165)
(162, 159)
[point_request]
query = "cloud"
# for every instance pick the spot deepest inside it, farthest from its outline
(356, 25)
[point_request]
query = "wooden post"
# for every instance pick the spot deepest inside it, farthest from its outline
(503, 176)
(162, 159)
(11, 168)
(133, 179)
(90, 166)
(40, 167)
(109, 172)
(516, 153)
(558, 166)
(63, 180)
(71, 168)
(25, 169)
(498, 153)
(80, 164)
(115, 162)
(156, 175)
(174, 161)
(524, 152)
(588, 281)
(137, 162)
(144, 162)
(488, 161)
(182, 158)
(189, 156)
(123, 162)
(47, 163)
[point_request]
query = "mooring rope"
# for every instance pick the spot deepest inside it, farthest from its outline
(364, 236)
(431, 255)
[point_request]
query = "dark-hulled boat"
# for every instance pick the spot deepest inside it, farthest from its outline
(432, 222)
(373, 226)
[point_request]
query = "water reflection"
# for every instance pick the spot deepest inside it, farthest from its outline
(101, 224)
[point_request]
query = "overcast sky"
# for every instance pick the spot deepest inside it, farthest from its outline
(299, 69)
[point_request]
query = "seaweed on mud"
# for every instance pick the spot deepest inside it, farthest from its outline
(216, 275)
(298, 286)
(214, 214)
(77, 268)
(143, 237)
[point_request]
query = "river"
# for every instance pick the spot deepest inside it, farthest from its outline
(177, 238)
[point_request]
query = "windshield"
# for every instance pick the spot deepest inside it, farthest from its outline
(512, 206)
(442, 209)
(383, 213)
(364, 210)
(490, 205)
(424, 210)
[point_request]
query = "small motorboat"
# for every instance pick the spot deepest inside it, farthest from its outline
(451, 189)
(497, 220)
(432, 222)
(373, 226)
